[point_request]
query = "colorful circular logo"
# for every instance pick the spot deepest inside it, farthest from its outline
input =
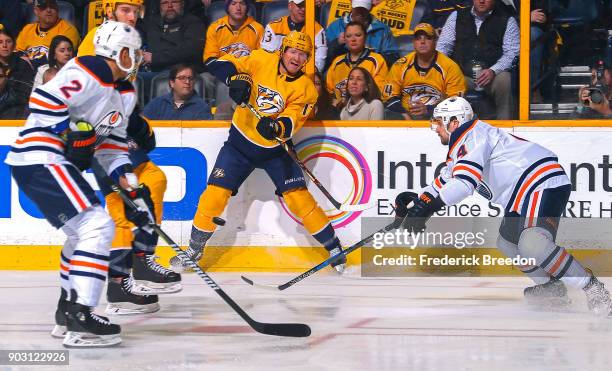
(329, 147)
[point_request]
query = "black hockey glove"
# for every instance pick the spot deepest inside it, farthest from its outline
(240, 88)
(80, 146)
(145, 214)
(424, 207)
(401, 206)
(268, 128)
(140, 133)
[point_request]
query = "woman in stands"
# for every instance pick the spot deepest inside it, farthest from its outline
(323, 110)
(61, 51)
(363, 97)
(20, 72)
(358, 55)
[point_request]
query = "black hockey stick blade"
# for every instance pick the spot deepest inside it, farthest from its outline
(396, 224)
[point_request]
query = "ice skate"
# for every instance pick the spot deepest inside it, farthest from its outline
(551, 295)
(87, 329)
(177, 263)
(59, 331)
(121, 299)
(598, 298)
(340, 264)
(152, 278)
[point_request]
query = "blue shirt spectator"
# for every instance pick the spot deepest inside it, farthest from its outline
(379, 36)
(182, 103)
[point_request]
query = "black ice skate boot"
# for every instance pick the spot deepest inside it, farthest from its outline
(59, 331)
(598, 298)
(153, 278)
(550, 295)
(195, 251)
(339, 264)
(87, 329)
(121, 299)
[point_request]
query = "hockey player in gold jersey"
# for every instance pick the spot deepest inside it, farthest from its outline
(423, 78)
(285, 97)
(132, 251)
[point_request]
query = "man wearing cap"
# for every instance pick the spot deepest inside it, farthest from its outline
(35, 38)
(379, 36)
(420, 80)
(295, 21)
(485, 34)
(173, 37)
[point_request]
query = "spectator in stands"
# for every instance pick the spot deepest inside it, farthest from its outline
(194, 7)
(419, 81)
(182, 103)
(124, 11)
(357, 55)
(173, 37)
(12, 104)
(598, 97)
(60, 52)
(486, 34)
(277, 29)
(11, 16)
(324, 109)
(237, 33)
(363, 97)
(379, 36)
(539, 26)
(34, 40)
(438, 10)
(19, 70)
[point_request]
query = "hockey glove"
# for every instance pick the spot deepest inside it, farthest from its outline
(268, 128)
(240, 88)
(80, 145)
(145, 213)
(424, 207)
(402, 201)
(140, 133)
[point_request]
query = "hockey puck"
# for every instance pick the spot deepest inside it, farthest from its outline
(218, 221)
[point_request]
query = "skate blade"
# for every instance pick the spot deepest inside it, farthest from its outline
(153, 288)
(121, 309)
(340, 269)
(88, 340)
(59, 332)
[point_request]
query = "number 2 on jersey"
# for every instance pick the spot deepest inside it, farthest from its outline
(74, 87)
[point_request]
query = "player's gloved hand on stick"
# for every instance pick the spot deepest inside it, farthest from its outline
(424, 207)
(268, 128)
(402, 203)
(240, 88)
(145, 214)
(80, 145)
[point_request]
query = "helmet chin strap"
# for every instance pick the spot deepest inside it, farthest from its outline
(131, 71)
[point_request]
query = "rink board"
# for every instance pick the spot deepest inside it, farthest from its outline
(356, 163)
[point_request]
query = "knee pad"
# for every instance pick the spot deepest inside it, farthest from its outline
(95, 229)
(212, 203)
(508, 248)
(536, 242)
(301, 203)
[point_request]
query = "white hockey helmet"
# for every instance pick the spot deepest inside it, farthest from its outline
(451, 108)
(110, 39)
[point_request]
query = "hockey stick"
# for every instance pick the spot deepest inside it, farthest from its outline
(293, 155)
(278, 329)
(396, 223)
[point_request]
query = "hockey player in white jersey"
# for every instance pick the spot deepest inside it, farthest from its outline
(81, 114)
(522, 176)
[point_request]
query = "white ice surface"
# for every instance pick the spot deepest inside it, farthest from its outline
(357, 324)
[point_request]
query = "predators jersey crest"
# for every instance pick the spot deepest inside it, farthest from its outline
(238, 49)
(37, 52)
(269, 101)
(426, 94)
